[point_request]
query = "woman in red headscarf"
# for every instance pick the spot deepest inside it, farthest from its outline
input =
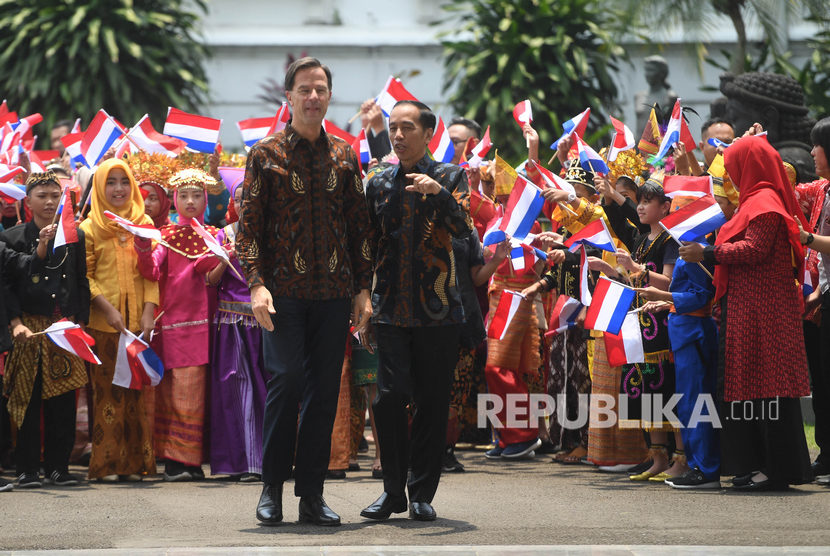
(762, 358)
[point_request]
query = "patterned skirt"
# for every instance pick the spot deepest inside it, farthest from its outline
(610, 445)
(122, 438)
(568, 382)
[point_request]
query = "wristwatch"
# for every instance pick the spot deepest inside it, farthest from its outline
(810, 239)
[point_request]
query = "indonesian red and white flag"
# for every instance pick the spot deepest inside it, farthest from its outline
(145, 137)
(688, 186)
(627, 346)
(281, 119)
(505, 311)
(332, 129)
(544, 178)
(136, 364)
(212, 243)
(480, 150)
(391, 93)
(623, 139)
(10, 192)
(69, 336)
(141, 230)
(584, 288)
(67, 231)
(523, 113)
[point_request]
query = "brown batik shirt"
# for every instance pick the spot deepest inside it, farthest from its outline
(304, 229)
(415, 273)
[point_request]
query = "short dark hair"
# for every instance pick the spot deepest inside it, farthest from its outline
(820, 135)
(712, 121)
(650, 191)
(304, 63)
(62, 123)
(469, 124)
(426, 117)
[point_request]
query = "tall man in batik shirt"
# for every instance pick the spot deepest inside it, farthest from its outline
(305, 246)
(416, 207)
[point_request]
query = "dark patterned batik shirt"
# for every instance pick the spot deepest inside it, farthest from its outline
(304, 229)
(415, 271)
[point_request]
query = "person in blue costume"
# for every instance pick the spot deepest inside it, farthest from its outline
(694, 341)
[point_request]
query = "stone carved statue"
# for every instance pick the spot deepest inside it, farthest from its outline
(777, 103)
(659, 91)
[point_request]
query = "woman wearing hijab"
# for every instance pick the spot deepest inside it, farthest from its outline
(759, 256)
(188, 302)
(122, 438)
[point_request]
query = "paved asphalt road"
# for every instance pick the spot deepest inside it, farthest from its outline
(519, 503)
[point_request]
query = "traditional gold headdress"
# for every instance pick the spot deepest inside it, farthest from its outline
(578, 174)
(628, 163)
(191, 178)
(152, 168)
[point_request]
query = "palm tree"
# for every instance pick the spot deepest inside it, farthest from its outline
(69, 58)
(696, 16)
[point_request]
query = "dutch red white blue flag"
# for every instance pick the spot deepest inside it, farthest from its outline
(595, 233)
(523, 207)
(254, 129)
(564, 315)
(609, 305)
(136, 364)
(101, 134)
(441, 146)
(10, 192)
(201, 133)
(505, 311)
(695, 220)
(578, 124)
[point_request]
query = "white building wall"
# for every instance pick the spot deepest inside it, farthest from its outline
(364, 41)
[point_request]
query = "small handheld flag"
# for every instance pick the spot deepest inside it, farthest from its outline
(596, 234)
(66, 232)
(578, 124)
(563, 316)
(609, 305)
(392, 92)
(141, 230)
(505, 311)
(693, 221)
(70, 337)
(136, 364)
(623, 139)
(480, 150)
(627, 346)
(441, 146)
(199, 132)
(589, 159)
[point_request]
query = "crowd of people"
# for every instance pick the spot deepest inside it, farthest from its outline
(271, 361)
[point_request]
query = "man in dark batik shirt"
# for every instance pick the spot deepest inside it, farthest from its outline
(305, 245)
(416, 207)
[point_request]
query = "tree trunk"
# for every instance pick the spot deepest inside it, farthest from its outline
(733, 10)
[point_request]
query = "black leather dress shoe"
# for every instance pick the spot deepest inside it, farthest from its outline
(753, 486)
(269, 508)
(385, 506)
(742, 480)
(421, 511)
(313, 509)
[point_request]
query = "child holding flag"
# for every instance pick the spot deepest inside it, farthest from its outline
(122, 438)
(188, 301)
(42, 290)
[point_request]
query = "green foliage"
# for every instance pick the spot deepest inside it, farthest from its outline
(814, 75)
(68, 58)
(559, 54)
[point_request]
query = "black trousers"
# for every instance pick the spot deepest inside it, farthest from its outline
(304, 356)
(58, 432)
(414, 364)
(820, 380)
